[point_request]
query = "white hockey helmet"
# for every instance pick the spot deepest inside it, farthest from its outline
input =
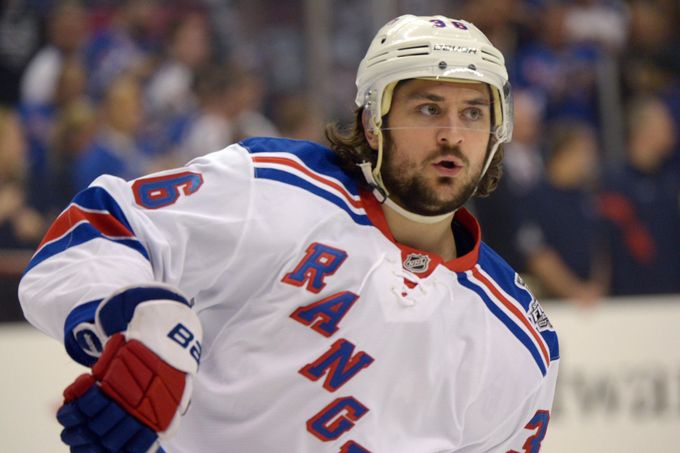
(431, 47)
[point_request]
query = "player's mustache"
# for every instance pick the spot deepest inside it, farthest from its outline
(448, 150)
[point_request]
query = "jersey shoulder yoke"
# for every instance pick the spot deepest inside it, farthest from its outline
(308, 166)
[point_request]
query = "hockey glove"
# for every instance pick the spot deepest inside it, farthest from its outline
(141, 383)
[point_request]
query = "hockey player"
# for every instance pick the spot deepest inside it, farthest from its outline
(337, 301)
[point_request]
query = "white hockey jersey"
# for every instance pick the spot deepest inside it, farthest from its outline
(321, 334)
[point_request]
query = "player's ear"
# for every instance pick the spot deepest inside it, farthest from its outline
(369, 130)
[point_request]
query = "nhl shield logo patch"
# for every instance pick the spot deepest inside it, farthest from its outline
(417, 263)
(538, 317)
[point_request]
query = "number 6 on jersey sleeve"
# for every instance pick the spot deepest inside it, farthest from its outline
(161, 191)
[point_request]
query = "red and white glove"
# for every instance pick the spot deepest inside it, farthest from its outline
(152, 346)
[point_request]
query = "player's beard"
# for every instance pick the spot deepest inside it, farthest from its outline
(409, 187)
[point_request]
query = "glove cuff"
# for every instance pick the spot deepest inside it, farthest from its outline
(171, 330)
(115, 313)
(81, 339)
(157, 316)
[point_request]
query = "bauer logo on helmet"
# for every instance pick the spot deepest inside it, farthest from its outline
(452, 48)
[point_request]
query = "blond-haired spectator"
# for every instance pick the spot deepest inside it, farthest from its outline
(115, 148)
(20, 224)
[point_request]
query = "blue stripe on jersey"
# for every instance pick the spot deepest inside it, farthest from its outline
(504, 276)
(550, 337)
(99, 199)
(288, 178)
(505, 319)
(81, 234)
(95, 198)
(318, 158)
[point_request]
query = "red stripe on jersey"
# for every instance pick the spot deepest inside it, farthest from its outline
(518, 314)
(305, 170)
(103, 222)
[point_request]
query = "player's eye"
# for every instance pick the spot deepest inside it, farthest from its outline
(472, 114)
(429, 109)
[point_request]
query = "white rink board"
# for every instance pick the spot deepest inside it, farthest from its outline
(618, 390)
(619, 384)
(35, 370)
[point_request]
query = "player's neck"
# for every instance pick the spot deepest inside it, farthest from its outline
(434, 238)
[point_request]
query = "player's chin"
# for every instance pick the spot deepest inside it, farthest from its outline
(452, 199)
(447, 189)
(441, 205)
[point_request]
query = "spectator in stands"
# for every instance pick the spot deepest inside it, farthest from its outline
(562, 72)
(652, 58)
(651, 66)
(73, 133)
(230, 99)
(19, 40)
(21, 226)
(298, 117)
(522, 171)
(560, 230)
(69, 90)
(212, 126)
(641, 202)
(169, 92)
(248, 92)
(601, 22)
(116, 148)
(71, 83)
(39, 122)
(125, 45)
(505, 23)
(170, 95)
(67, 34)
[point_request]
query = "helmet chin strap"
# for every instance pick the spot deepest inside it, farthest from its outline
(425, 219)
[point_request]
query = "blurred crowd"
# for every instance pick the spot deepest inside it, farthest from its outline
(589, 205)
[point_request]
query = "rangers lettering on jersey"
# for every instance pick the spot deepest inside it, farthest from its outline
(339, 363)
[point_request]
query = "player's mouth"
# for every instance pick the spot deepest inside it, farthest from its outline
(448, 166)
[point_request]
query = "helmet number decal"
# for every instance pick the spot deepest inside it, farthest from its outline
(438, 23)
(161, 191)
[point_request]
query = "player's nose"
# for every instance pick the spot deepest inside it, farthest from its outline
(450, 132)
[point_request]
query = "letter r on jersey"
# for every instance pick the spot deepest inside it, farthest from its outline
(337, 418)
(319, 262)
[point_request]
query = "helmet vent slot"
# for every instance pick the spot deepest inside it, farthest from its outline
(421, 46)
(412, 51)
(491, 60)
(378, 55)
(415, 54)
(490, 57)
(375, 62)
